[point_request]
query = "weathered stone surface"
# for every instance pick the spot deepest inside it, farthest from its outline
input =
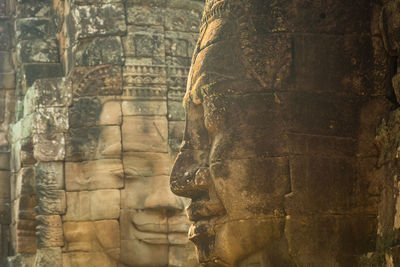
(50, 174)
(50, 231)
(20, 260)
(46, 93)
(29, 8)
(144, 108)
(49, 147)
(84, 205)
(34, 71)
(83, 259)
(145, 42)
(5, 34)
(147, 134)
(149, 193)
(91, 175)
(5, 197)
(96, 81)
(145, 164)
(32, 28)
(91, 21)
(6, 71)
(51, 202)
(100, 236)
(48, 257)
(99, 51)
(182, 20)
(93, 143)
(87, 112)
(4, 160)
(51, 120)
(38, 50)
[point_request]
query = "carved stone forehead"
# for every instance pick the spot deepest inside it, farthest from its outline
(265, 44)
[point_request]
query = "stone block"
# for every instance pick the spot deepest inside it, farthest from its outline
(26, 242)
(146, 76)
(177, 61)
(111, 113)
(5, 242)
(26, 152)
(51, 202)
(5, 34)
(149, 193)
(20, 260)
(25, 182)
(30, 8)
(87, 112)
(176, 112)
(51, 120)
(50, 231)
(324, 185)
(177, 81)
(93, 205)
(180, 44)
(32, 28)
(182, 20)
(321, 114)
(50, 175)
(179, 223)
(98, 236)
(352, 230)
(91, 175)
(140, 164)
(4, 160)
(145, 42)
(99, 51)
(184, 255)
(98, 20)
(34, 71)
(6, 62)
(5, 197)
(84, 259)
(96, 81)
(38, 50)
(318, 17)
(93, 143)
(48, 257)
(137, 253)
(144, 107)
(151, 221)
(49, 147)
(147, 134)
(45, 93)
(339, 64)
(145, 14)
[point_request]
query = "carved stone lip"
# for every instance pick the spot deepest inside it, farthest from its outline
(204, 209)
(200, 230)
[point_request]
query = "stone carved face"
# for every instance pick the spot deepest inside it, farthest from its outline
(264, 148)
(153, 225)
(232, 162)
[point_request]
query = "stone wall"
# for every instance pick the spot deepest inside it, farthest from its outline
(7, 103)
(388, 244)
(98, 123)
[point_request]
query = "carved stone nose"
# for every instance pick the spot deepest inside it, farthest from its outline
(189, 176)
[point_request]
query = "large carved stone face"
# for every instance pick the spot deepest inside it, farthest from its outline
(279, 130)
(232, 162)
